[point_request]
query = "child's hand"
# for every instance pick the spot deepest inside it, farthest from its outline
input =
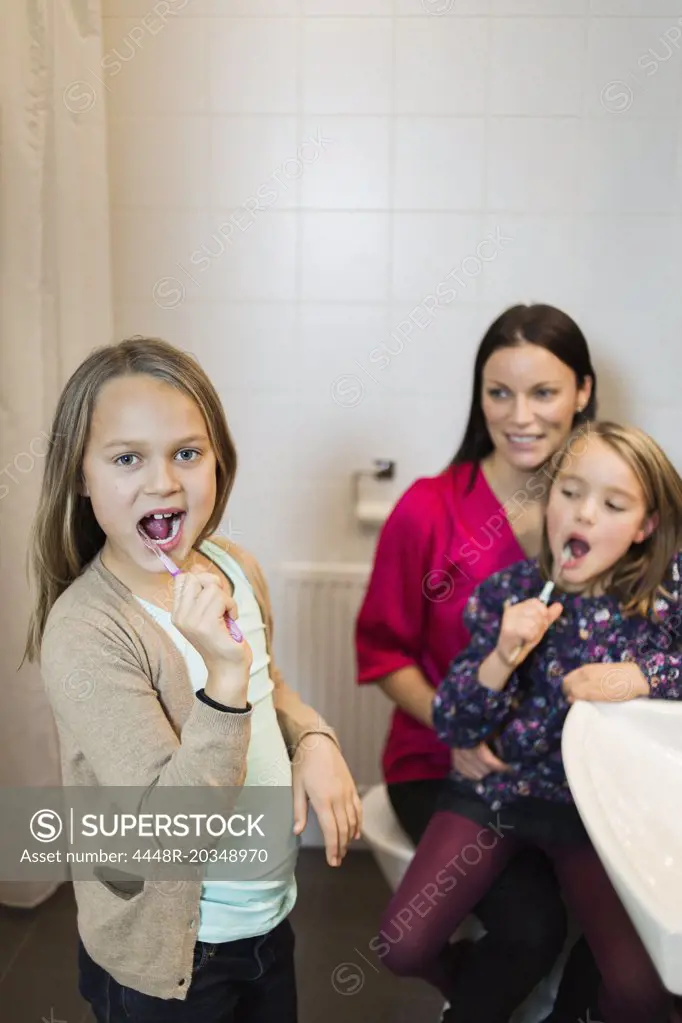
(523, 626)
(605, 682)
(476, 763)
(200, 603)
(321, 775)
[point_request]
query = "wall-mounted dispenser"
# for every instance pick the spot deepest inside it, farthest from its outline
(372, 510)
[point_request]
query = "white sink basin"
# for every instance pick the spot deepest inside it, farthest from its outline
(624, 765)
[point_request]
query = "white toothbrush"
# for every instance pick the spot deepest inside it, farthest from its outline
(546, 593)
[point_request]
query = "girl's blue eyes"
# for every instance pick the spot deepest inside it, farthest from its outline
(183, 451)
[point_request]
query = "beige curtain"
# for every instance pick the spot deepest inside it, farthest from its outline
(54, 308)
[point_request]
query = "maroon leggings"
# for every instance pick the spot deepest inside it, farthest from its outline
(456, 863)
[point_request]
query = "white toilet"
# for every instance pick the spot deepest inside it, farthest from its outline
(393, 852)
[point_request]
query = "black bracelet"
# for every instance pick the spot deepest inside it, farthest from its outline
(201, 695)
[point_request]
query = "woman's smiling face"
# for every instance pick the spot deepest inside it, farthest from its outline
(529, 400)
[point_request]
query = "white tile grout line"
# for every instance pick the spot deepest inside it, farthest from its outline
(407, 17)
(297, 325)
(577, 197)
(391, 169)
(488, 118)
(298, 252)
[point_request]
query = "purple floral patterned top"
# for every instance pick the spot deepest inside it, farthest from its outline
(527, 717)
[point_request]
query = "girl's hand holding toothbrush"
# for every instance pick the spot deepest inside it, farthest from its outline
(200, 604)
(204, 613)
(522, 628)
(513, 656)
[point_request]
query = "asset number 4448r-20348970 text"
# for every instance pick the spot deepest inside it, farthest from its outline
(200, 856)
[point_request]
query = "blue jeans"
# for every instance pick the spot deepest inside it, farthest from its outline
(247, 981)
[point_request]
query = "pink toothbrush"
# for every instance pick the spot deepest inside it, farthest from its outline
(173, 569)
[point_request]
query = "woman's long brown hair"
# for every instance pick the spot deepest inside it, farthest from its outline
(65, 535)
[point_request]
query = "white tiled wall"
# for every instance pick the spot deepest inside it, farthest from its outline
(542, 135)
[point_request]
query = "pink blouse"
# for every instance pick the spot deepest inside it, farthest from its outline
(436, 546)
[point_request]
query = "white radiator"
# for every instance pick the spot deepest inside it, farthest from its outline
(314, 629)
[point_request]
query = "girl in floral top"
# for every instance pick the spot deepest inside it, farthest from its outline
(612, 539)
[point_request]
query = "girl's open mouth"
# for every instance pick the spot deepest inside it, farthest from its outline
(163, 528)
(579, 549)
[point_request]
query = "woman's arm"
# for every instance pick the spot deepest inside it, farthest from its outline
(389, 630)
(409, 689)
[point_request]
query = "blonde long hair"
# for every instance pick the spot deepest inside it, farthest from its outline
(65, 535)
(637, 579)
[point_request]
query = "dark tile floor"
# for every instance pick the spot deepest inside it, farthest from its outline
(339, 978)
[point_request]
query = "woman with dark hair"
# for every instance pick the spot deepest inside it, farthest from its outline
(533, 384)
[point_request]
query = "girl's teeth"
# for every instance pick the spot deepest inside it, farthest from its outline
(175, 527)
